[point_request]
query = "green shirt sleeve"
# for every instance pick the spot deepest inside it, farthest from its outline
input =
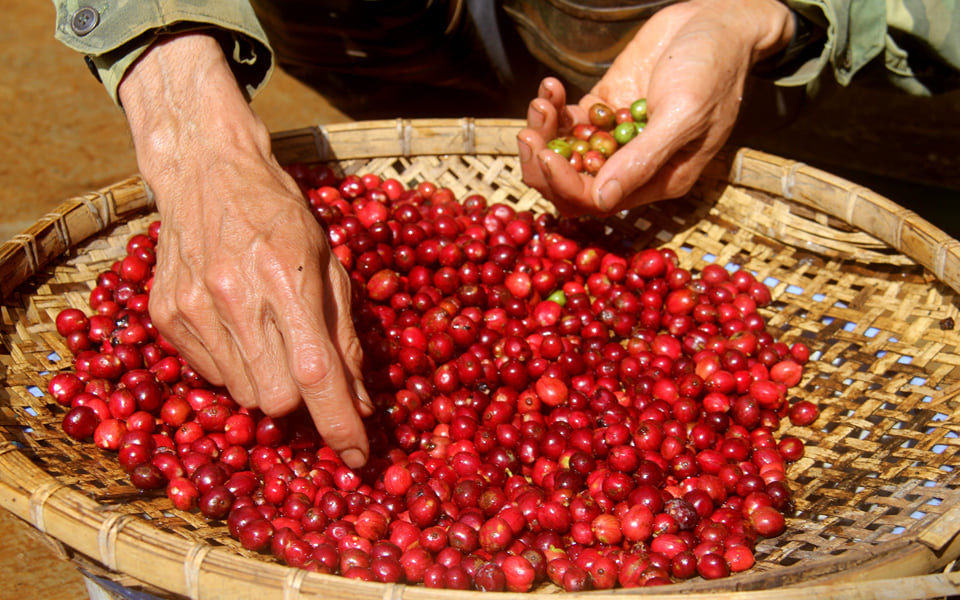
(910, 38)
(112, 34)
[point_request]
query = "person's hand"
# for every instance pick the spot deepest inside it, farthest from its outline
(690, 62)
(246, 287)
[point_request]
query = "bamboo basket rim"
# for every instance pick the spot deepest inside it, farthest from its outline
(73, 519)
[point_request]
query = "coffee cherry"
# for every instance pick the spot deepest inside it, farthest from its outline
(80, 422)
(803, 413)
(561, 147)
(545, 402)
(602, 116)
(624, 132)
(591, 144)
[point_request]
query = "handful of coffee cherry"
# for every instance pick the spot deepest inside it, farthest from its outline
(589, 145)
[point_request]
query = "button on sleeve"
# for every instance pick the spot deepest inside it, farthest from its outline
(84, 20)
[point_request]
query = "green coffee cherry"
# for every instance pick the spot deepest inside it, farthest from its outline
(638, 110)
(590, 144)
(580, 146)
(558, 296)
(624, 132)
(561, 147)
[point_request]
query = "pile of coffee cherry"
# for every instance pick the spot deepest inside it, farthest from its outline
(589, 145)
(553, 405)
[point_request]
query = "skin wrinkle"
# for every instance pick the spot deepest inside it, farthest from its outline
(165, 309)
(194, 313)
(265, 353)
(273, 274)
(331, 423)
(163, 134)
(311, 370)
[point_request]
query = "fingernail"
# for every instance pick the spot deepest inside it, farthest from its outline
(545, 167)
(353, 458)
(609, 195)
(362, 394)
(525, 151)
(537, 117)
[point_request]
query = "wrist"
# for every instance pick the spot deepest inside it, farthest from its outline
(807, 40)
(761, 28)
(774, 27)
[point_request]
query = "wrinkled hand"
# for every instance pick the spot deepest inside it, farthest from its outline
(246, 287)
(690, 62)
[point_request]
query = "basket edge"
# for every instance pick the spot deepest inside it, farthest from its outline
(69, 224)
(45, 240)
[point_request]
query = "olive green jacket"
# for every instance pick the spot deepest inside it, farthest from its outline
(916, 41)
(112, 34)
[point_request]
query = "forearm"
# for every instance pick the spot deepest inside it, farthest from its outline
(183, 104)
(915, 43)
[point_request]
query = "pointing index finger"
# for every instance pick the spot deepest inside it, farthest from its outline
(323, 386)
(321, 378)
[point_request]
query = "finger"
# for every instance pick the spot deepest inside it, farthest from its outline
(164, 306)
(529, 144)
(266, 366)
(218, 360)
(190, 346)
(195, 330)
(534, 174)
(571, 190)
(321, 379)
(168, 321)
(551, 89)
(315, 363)
(542, 118)
(248, 350)
(568, 115)
(345, 341)
(188, 318)
(541, 127)
(553, 92)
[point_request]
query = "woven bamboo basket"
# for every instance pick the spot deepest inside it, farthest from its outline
(870, 287)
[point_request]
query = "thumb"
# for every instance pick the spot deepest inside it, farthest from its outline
(629, 177)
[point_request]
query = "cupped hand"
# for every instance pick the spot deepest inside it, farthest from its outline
(245, 286)
(690, 61)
